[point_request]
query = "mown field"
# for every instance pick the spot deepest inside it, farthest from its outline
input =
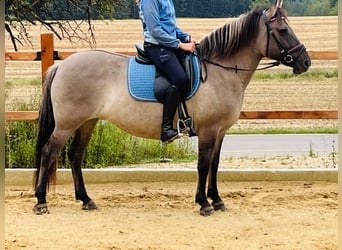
(317, 33)
(269, 90)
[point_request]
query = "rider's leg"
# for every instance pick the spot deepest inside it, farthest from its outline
(168, 134)
(167, 62)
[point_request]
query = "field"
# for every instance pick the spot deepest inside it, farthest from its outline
(300, 93)
(317, 33)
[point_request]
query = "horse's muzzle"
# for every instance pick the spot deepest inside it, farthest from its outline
(302, 62)
(302, 65)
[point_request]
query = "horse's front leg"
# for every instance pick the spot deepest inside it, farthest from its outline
(205, 155)
(213, 193)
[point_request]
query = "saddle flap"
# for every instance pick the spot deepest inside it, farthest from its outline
(189, 68)
(141, 56)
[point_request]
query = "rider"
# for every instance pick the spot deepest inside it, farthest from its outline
(163, 42)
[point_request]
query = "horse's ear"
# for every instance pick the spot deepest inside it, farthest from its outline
(274, 8)
(280, 4)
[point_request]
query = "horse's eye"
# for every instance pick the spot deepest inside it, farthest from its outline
(282, 30)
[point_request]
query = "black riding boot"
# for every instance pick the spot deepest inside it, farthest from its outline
(168, 134)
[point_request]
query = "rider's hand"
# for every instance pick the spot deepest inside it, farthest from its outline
(189, 47)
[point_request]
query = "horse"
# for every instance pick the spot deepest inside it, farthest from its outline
(92, 85)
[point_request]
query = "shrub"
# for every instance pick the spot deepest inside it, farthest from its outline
(20, 143)
(108, 146)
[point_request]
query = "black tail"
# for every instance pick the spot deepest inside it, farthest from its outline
(46, 125)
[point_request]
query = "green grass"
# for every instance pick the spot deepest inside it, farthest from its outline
(283, 131)
(24, 82)
(310, 75)
(109, 146)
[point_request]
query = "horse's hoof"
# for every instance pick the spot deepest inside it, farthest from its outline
(219, 206)
(207, 210)
(90, 205)
(40, 209)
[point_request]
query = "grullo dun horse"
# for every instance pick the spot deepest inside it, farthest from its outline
(92, 85)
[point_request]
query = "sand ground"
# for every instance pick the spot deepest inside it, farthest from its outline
(261, 215)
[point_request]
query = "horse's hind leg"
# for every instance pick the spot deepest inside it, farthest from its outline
(47, 172)
(76, 152)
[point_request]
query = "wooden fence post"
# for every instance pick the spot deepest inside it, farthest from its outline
(47, 48)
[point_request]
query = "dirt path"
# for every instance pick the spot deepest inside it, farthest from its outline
(261, 215)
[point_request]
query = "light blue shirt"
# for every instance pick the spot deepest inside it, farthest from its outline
(159, 23)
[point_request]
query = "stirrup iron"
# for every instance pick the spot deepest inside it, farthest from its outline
(185, 123)
(183, 127)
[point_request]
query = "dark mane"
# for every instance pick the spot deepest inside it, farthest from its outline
(227, 39)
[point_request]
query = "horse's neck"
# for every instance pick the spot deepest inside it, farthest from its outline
(246, 61)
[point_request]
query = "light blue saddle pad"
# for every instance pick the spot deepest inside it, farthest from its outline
(141, 78)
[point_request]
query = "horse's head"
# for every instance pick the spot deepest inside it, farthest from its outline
(279, 42)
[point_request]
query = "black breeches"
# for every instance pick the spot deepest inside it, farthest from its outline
(167, 61)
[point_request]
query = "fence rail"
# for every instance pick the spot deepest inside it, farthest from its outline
(280, 114)
(47, 55)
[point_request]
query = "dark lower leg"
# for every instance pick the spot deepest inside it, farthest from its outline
(212, 189)
(80, 191)
(168, 133)
(201, 198)
(40, 193)
(48, 160)
(206, 209)
(204, 158)
(76, 152)
(212, 182)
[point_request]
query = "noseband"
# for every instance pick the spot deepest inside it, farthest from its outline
(286, 54)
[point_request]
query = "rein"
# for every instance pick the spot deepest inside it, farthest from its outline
(236, 68)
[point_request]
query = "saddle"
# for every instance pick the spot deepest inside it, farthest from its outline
(188, 64)
(185, 122)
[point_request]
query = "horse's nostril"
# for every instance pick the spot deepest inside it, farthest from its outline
(307, 63)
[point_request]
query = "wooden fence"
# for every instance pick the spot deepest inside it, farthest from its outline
(47, 55)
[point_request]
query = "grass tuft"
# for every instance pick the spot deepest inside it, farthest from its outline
(283, 131)
(310, 75)
(24, 82)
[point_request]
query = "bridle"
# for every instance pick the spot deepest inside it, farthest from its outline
(287, 55)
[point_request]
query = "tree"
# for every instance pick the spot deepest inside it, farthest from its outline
(238, 7)
(303, 7)
(260, 4)
(63, 17)
(322, 8)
